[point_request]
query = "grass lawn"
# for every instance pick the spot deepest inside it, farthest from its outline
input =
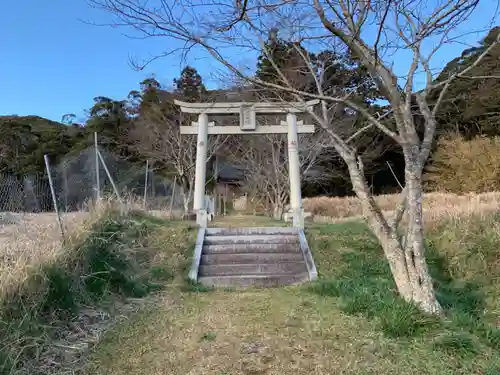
(349, 322)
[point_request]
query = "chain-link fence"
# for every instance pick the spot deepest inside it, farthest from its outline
(88, 176)
(23, 194)
(35, 205)
(39, 213)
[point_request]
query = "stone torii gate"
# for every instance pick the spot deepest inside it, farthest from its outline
(248, 125)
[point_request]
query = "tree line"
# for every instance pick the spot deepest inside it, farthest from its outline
(145, 124)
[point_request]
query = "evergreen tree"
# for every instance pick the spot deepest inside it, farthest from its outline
(284, 61)
(286, 56)
(189, 86)
(472, 107)
(109, 118)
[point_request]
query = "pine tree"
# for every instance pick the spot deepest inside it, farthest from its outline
(298, 67)
(189, 86)
(150, 91)
(287, 57)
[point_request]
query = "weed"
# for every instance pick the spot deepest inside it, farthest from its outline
(195, 287)
(456, 343)
(401, 319)
(161, 273)
(208, 336)
(59, 298)
(489, 334)
(493, 369)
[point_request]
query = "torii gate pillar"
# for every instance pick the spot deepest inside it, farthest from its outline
(201, 171)
(294, 172)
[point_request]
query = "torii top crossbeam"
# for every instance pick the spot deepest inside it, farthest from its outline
(248, 120)
(235, 107)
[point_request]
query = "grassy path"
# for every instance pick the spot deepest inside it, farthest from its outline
(292, 330)
(260, 332)
(268, 332)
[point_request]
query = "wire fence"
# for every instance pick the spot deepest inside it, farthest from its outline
(85, 177)
(63, 195)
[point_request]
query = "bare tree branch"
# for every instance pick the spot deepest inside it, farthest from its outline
(398, 26)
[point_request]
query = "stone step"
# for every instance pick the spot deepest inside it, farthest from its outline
(249, 258)
(244, 248)
(251, 239)
(249, 231)
(281, 268)
(245, 281)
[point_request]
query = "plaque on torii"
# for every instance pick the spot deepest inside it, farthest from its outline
(248, 125)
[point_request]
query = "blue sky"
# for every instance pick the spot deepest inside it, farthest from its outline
(52, 63)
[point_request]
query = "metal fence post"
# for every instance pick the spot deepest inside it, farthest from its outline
(115, 188)
(146, 183)
(97, 179)
(53, 193)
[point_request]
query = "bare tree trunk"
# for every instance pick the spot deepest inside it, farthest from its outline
(418, 272)
(186, 196)
(278, 208)
(186, 204)
(407, 264)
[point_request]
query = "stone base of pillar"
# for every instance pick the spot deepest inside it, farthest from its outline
(202, 218)
(298, 218)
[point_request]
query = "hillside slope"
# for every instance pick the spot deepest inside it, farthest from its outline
(472, 106)
(25, 139)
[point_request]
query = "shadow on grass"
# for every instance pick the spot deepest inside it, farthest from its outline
(362, 281)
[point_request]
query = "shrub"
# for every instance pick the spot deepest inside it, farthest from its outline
(462, 166)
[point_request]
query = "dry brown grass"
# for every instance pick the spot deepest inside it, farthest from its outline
(461, 165)
(437, 206)
(28, 241)
(35, 262)
(33, 240)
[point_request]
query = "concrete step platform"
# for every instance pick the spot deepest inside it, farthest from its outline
(249, 231)
(271, 269)
(260, 281)
(252, 257)
(251, 239)
(249, 258)
(251, 248)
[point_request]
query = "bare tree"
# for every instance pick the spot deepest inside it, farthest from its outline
(264, 160)
(156, 135)
(377, 33)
